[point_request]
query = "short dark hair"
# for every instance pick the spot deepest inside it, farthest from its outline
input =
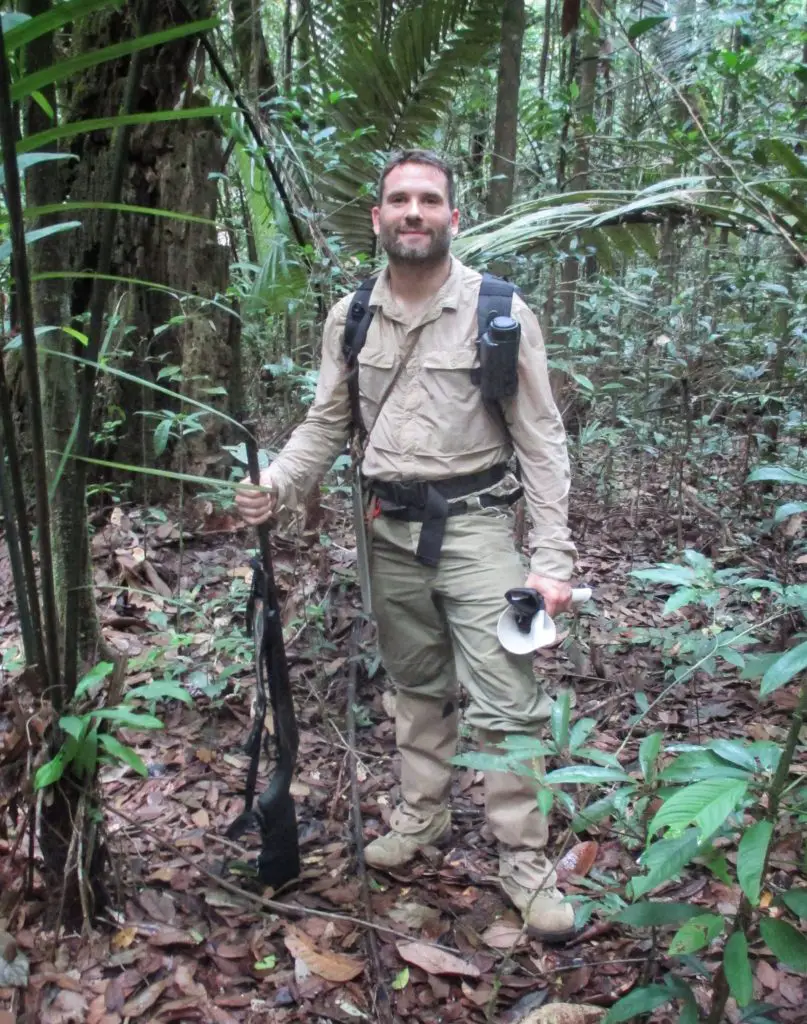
(418, 156)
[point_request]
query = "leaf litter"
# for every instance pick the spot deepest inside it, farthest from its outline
(179, 947)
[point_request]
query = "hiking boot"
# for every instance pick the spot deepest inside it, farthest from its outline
(409, 832)
(528, 879)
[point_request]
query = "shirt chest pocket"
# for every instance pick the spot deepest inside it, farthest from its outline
(454, 418)
(376, 368)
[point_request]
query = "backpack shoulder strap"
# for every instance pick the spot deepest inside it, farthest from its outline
(495, 299)
(359, 318)
(358, 321)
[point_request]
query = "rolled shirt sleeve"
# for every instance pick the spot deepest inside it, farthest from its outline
(314, 445)
(539, 440)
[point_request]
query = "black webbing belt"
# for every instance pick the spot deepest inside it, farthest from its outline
(427, 502)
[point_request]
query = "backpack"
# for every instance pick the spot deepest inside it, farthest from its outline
(495, 299)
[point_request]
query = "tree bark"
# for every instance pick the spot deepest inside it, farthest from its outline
(505, 135)
(251, 52)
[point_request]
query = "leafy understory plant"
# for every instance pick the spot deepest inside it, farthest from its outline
(89, 735)
(717, 805)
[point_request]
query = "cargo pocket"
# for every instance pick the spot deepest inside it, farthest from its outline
(376, 367)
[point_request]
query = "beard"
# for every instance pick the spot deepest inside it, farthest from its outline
(398, 251)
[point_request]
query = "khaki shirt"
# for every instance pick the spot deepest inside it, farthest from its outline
(434, 424)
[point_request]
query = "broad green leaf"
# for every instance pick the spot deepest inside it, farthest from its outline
(778, 474)
(160, 690)
(401, 980)
(52, 18)
(639, 28)
(737, 968)
(267, 964)
(526, 746)
(681, 598)
(695, 934)
(581, 730)
(784, 669)
(162, 433)
(751, 858)
(790, 508)
(680, 990)
(716, 862)
(707, 804)
(593, 813)
(50, 772)
(123, 753)
(734, 752)
(96, 674)
(85, 761)
(639, 1001)
(785, 942)
(664, 860)
(484, 762)
(74, 726)
(559, 721)
(695, 765)
(69, 129)
(587, 773)
(58, 72)
(125, 718)
(37, 234)
(649, 750)
(546, 798)
(796, 900)
(678, 575)
(656, 914)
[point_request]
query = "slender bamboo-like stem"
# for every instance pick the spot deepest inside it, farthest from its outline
(17, 571)
(743, 917)
(100, 290)
(50, 660)
(14, 506)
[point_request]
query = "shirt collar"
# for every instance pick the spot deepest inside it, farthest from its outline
(447, 296)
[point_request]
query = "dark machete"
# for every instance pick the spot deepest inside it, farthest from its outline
(274, 815)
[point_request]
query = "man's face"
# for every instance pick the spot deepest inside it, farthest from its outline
(414, 222)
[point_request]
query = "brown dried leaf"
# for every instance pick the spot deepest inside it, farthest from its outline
(564, 1013)
(146, 999)
(413, 915)
(768, 975)
(435, 961)
(578, 861)
(504, 935)
(173, 937)
(330, 966)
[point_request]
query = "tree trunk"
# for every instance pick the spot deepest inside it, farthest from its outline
(505, 136)
(249, 44)
(169, 167)
(545, 48)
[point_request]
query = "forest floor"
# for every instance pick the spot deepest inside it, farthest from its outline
(189, 937)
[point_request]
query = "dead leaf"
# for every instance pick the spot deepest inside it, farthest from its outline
(162, 875)
(504, 935)
(201, 818)
(206, 756)
(564, 1013)
(330, 966)
(478, 996)
(173, 937)
(768, 975)
(577, 862)
(413, 915)
(146, 999)
(158, 905)
(436, 961)
(7, 1018)
(67, 1008)
(123, 939)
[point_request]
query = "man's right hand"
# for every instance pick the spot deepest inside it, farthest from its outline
(256, 504)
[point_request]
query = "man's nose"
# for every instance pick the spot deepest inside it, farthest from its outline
(412, 211)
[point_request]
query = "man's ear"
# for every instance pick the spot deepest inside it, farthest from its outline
(455, 223)
(376, 215)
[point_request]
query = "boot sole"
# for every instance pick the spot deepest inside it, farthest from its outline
(553, 938)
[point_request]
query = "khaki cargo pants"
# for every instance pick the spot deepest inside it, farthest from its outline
(437, 633)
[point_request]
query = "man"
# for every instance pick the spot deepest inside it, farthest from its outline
(436, 612)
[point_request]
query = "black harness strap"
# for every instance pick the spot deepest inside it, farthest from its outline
(359, 318)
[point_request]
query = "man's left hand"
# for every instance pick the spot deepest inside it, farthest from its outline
(557, 594)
